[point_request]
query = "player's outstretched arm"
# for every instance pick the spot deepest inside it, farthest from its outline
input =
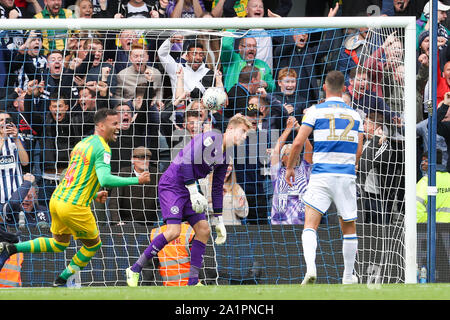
(108, 180)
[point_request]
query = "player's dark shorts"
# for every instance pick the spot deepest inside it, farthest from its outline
(175, 202)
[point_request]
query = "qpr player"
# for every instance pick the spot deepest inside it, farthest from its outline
(338, 136)
(180, 198)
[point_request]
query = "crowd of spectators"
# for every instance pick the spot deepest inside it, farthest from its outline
(53, 81)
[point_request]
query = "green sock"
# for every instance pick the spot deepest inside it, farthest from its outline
(80, 260)
(41, 245)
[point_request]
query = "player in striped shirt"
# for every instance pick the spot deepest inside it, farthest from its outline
(338, 137)
(89, 169)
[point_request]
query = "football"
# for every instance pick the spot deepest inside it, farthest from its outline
(214, 98)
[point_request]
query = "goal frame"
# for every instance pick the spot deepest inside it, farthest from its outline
(408, 23)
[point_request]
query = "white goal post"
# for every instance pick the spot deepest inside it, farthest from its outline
(407, 23)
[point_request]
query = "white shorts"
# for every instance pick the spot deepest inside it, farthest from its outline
(322, 189)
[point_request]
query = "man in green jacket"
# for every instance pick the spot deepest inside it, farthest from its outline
(233, 62)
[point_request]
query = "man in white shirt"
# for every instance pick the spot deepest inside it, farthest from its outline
(197, 77)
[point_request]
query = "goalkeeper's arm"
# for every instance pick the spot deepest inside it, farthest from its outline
(217, 200)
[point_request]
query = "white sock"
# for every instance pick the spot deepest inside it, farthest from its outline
(349, 248)
(309, 243)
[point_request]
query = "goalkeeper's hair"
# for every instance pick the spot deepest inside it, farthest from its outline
(102, 114)
(239, 119)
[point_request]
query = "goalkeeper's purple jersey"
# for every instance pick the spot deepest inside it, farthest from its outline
(196, 160)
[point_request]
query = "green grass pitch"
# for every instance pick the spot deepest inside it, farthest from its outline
(439, 291)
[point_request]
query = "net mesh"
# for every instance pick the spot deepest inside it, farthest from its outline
(155, 79)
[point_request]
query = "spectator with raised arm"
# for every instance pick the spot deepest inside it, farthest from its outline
(13, 157)
(118, 47)
(57, 133)
(302, 56)
(139, 74)
(197, 76)
(28, 63)
(58, 79)
(233, 62)
(423, 23)
(287, 204)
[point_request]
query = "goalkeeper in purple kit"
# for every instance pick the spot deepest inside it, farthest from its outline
(180, 198)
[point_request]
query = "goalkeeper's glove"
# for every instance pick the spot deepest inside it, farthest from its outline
(221, 231)
(198, 201)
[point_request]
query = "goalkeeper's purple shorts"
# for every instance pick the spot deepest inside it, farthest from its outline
(175, 203)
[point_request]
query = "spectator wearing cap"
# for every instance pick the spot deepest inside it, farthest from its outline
(136, 203)
(423, 23)
(54, 39)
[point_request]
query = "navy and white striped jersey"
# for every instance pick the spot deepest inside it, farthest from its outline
(336, 127)
(10, 169)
